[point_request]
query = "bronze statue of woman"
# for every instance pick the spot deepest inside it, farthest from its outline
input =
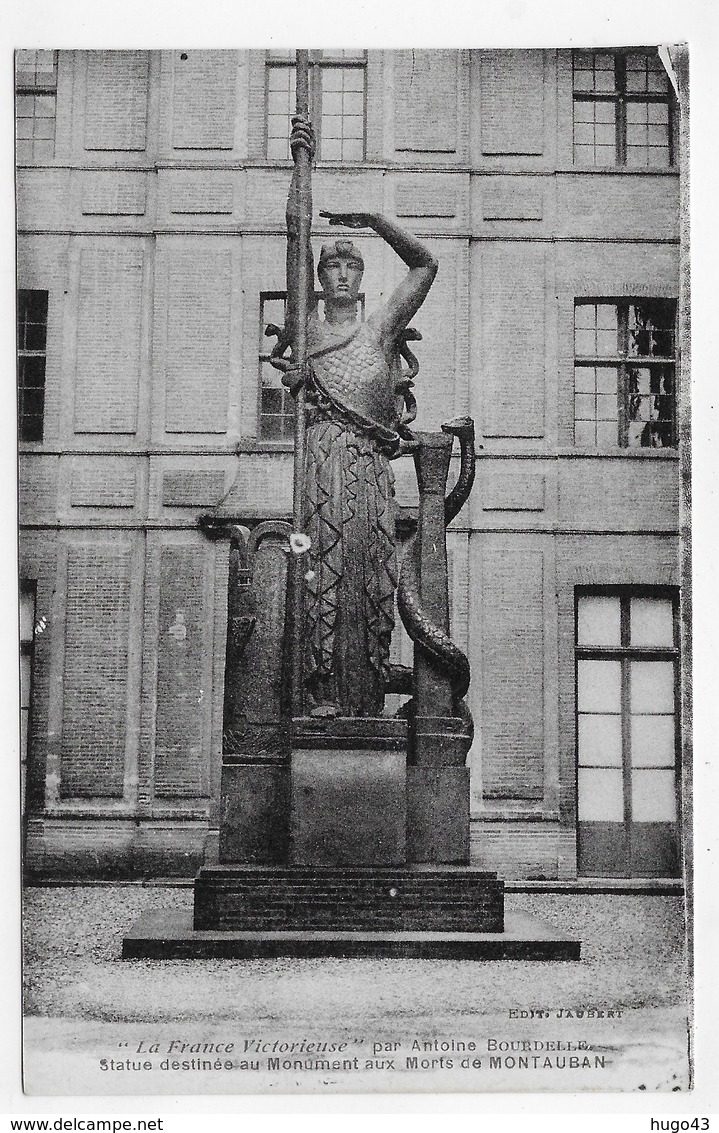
(354, 406)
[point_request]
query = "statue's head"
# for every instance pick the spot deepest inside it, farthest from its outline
(340, 270)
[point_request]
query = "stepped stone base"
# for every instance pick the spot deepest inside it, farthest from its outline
(431, 898)
(169, 935)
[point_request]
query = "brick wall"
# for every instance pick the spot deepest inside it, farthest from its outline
(513, 650)
(116, 100)
(179, 764)
(95, 672)
(107, 353)
(204, 100)
(155, 232)
(197, 345)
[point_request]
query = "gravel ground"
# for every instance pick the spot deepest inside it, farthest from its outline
(632, 957)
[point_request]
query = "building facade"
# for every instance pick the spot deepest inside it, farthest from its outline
(151, 250)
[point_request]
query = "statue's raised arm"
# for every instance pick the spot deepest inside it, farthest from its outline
(406, 299)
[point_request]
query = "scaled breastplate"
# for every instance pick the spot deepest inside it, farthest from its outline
(352, 368)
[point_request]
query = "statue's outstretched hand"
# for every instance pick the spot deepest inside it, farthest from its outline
(302, 136)
(350, 219)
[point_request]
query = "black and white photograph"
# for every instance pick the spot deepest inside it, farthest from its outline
(354, 575)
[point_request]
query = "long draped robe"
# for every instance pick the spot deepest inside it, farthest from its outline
(349, 517)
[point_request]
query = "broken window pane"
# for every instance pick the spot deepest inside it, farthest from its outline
(650, 327)
(640, 398)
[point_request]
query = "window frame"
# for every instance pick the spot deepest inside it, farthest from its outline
(27, 592)
(621, 363)
(626, 653)
(36, 89)
(22, 353)
(318, 60)
(620, 97)
(264, 359)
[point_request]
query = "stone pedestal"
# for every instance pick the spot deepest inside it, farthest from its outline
(438, 814)
(432, 689)
(254, 813)
(347, 807)
(350, 733)
(345, 836)
(440, 741)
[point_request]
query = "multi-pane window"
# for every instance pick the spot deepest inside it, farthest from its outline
(277, 413)
(32, 343)
(35, 105)
(624, 373)
(276, 404)
(627, 717)
(622, 109)
(337, 104)
(27, 635)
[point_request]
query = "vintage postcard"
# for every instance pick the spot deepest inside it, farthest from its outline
(354, 581)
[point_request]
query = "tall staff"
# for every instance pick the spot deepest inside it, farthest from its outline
(299, 284)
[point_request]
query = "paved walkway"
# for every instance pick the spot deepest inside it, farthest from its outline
(614, 1020)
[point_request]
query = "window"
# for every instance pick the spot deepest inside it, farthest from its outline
(624, 373)
(277, 414)
(27, 635)
(277, 411)
(337, 104)
(35, 86)
(627, 733)
(623, 109)
(32, 341)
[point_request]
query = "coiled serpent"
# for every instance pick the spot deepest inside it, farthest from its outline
(431, 638)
